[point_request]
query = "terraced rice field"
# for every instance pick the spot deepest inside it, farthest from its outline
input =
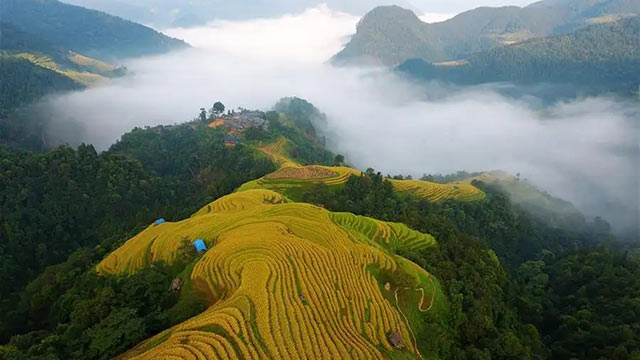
(462, 191)
(304, 172)
(82, 77)
(293, 179)
(276, 151)
(286, 281)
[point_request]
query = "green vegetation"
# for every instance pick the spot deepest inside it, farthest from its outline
(64, 199)
(585, 302)
(91, 32)
(390, 35)
(22, 83)
(538, 297)
(99, 317)
(599, 58)
(301, 146)
(42, 52)
(506, 276)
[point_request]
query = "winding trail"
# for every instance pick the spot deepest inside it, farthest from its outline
(395, 294)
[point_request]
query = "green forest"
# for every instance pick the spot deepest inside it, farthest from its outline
(596, 59)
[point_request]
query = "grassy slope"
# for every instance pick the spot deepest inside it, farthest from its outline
(285, 280)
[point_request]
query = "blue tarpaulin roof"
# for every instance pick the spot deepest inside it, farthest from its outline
(159, 221)
(200, 245)
(232, 138)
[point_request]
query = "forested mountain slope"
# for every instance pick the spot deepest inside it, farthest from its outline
(601, 57)
(326, 266)
(390, 35)
(48, 47)
(88, 32)
(23, 82)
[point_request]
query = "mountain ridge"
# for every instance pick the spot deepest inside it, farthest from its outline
(91, 33)
(469, 32)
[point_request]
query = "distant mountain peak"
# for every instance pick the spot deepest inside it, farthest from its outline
(389, 35)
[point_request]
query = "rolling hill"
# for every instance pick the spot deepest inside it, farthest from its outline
(390, 35)
(271, 293)
(600, 57)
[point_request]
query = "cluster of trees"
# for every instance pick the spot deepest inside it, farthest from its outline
(304, 115)
(306, 148)
(518, 288)
(55, 202)
(217, 110)
(80, 315)
(24, 82)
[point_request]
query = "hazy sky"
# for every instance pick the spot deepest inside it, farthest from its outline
(585, 151)
(162, 13)
(457, 6)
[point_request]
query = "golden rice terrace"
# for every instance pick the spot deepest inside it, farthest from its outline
(292, 178)
(285, 281)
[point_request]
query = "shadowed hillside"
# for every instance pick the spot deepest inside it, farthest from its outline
(599, 58)
(88, 32)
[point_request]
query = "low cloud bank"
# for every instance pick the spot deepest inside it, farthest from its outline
(584, 151)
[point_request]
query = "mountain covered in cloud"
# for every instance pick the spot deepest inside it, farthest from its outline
(390, 35)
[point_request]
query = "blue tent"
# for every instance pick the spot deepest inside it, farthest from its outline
(231, 139)
(200, 246)
(159, 221)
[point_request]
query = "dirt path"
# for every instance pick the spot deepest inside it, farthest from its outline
(395, 294)
(415, 341)
(433, 298)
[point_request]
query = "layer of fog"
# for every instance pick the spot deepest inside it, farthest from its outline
(585, 151)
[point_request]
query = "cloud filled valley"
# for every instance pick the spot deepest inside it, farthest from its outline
(585, 151)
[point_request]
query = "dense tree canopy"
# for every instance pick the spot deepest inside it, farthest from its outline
(55, 202)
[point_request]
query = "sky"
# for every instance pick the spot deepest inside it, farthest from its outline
(162, 13)
(457, 6)
(585, 151)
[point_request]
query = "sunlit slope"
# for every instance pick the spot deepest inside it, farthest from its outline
(285, 281)
(438, 192)
(293, 179)
(89, 71)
